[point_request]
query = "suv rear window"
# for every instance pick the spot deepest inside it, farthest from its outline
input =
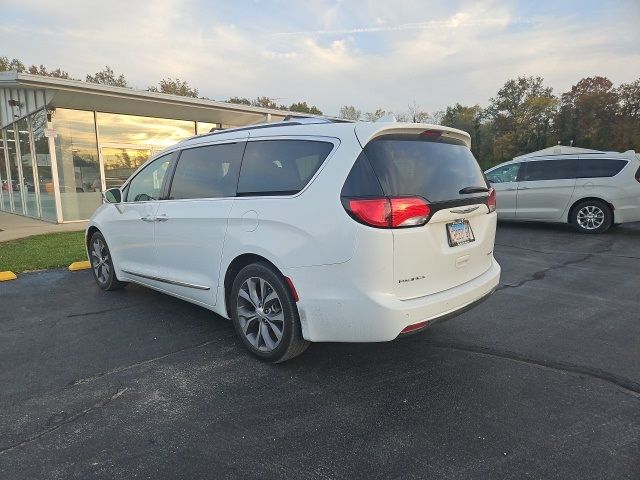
(572, 168)
(598, 167)
(434, 168)
(280, 167)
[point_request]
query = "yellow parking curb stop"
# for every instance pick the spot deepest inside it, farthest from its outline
(7, 275)
(75, 266)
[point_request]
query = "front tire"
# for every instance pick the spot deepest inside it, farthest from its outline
(592, 216)
(102, 264)
(264, 314)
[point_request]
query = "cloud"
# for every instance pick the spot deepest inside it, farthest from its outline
(330, 53)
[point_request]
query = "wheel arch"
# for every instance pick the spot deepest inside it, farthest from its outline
(584, 199)
(234, 267)
(90, 231)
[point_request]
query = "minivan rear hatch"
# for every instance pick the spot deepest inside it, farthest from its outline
(456, 244)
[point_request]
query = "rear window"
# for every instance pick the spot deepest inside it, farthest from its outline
(598, 167)
(280, 167)
(434, 168)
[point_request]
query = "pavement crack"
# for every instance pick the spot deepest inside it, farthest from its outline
(73, 418)
(98, 312)
(91, 378)
(626, 384)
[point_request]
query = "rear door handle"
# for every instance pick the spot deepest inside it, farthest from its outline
(510, 189)
(523, 188)
(162, 218)
(148, 219)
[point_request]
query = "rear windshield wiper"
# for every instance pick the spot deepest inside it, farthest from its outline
(474, 190)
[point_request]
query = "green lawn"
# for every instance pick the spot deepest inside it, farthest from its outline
(53, 250)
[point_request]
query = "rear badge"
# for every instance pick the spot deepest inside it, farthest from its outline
(412, 279)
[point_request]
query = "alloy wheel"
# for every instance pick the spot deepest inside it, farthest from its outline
(590, 217)
(260, 314)
(100, 261)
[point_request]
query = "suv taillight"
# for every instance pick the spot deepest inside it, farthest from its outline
(383, 212)
(491, 200)
(638, 175)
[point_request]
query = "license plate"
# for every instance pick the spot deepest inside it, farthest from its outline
(459, 233)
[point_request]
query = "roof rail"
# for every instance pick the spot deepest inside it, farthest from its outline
(288, 121)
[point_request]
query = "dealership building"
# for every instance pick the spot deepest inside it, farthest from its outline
(62, 142)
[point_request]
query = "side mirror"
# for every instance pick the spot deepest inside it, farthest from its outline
(113, 195)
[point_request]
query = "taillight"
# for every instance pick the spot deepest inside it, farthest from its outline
(638, 175)
(394, 212)
(491, 200)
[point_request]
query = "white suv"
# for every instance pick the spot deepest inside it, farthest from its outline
(590, 190)
(307, 230)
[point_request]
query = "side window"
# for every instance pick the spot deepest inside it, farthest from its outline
(361, 181)
(147, 184)
(549, 170)
(207, 172)
(597, 167)
(273, 167)
(508, 173)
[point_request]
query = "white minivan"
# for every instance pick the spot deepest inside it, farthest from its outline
(588, 189)
(307, 230)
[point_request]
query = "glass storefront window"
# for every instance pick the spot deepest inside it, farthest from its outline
(147, 131)
(14, 170)
(29, 183)
(120, 163)
(43, 162)
(78, 164)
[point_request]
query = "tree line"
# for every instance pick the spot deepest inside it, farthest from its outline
(173, 86)
(523, 116)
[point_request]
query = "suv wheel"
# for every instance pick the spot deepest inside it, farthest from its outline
(265, 315)
(592, 216)
(102, 264)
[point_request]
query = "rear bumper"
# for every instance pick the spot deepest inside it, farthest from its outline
(627, 213)
(332, 309)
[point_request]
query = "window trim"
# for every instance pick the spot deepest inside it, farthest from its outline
(316, 138)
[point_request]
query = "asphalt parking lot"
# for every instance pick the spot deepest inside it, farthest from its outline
(540, 381)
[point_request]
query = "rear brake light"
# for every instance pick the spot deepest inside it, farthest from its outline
(409, 212)
(395, 212)
(491, 200)
(431, 133)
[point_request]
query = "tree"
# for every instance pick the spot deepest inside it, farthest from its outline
(376, 115)
(523, 112)
(304, 108)
(588, 112)
(349, 112)
(41, 70)
(627, 135)
(175, 87)
(107, 77)
(414, 114)
(264, 102)
(13, 65)
(239, 100)
(467, 118)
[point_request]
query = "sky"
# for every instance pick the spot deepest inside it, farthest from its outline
(367, 53)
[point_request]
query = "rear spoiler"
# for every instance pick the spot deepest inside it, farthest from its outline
(365, 132)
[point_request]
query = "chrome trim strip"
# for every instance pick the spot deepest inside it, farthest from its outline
(465, 210)
(164, 280)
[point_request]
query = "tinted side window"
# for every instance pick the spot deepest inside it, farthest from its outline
(508, 173)
(272, 167)
(147, 184)
(362, 182)
(598, 167)
(207, 172)
(549, 170)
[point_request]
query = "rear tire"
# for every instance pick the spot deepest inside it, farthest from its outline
(102, 264)
(265, 315)
(592, 216)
